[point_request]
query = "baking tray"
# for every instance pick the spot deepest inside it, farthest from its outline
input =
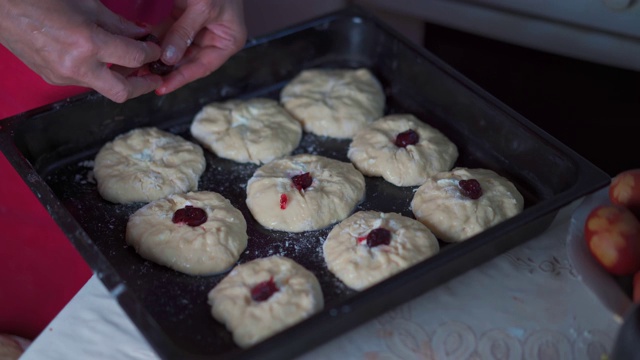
(52, 148)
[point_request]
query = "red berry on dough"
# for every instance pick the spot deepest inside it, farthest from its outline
(283, 201)
(378, 237)
(190, 215)
(302, 181)
(406, 138)
(470, 188)
(264, 290)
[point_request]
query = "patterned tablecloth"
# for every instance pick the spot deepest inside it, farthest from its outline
(529, 303)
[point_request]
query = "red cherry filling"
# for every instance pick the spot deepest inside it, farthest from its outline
(189, 215)
(264, 290)
(151, 38)
(302, 181)
(470, 188)
(408, 137)
(159, 68)
(378, 236)
(283, 201)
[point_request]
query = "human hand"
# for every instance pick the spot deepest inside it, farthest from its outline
(205, 33)
(71, 42)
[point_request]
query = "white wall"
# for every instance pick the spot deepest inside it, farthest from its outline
(601, 31)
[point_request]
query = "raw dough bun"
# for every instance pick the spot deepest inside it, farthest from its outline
(255, 130)
(298, 297)
(374, 153)
(205, 249)
(454, 217)
(359, 266)
(147, 164)
(336, 189)
(335, 103)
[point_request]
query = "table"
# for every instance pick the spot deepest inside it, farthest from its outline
(528, 303)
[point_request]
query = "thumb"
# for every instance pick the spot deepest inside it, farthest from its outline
(181, 34)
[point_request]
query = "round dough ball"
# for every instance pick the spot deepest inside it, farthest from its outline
(335, 189)
(375, 153)
(297, 296)
(147, 164)
(358, 265)
(334, 102)
(453, 217)
(255, 130)
(206, 248)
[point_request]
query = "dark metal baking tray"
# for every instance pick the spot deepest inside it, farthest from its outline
(52, 148)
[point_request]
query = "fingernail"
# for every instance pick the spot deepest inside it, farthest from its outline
(170, 55)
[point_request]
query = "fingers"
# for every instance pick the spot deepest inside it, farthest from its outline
(125, 55)
(216, 27)
(209, 52)
(212, 46)
(182, 32)
(119, 88)
(118, 25)
(232, 40)
(123, 51)
(140, 85)
(197, 65)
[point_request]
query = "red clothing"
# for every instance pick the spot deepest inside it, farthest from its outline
(40, 270)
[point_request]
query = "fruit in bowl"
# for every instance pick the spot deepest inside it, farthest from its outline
(612, 233)
(625, 190)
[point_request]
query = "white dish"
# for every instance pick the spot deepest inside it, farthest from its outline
(601, 283)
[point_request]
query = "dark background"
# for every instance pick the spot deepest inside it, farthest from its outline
(592, 108)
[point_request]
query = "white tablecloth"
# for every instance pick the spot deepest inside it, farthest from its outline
(529, 303)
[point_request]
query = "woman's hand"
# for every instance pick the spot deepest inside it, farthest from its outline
(205, 33)
(71, 42)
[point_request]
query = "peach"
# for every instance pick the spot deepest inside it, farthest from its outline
(612, 234)
(625, 190)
